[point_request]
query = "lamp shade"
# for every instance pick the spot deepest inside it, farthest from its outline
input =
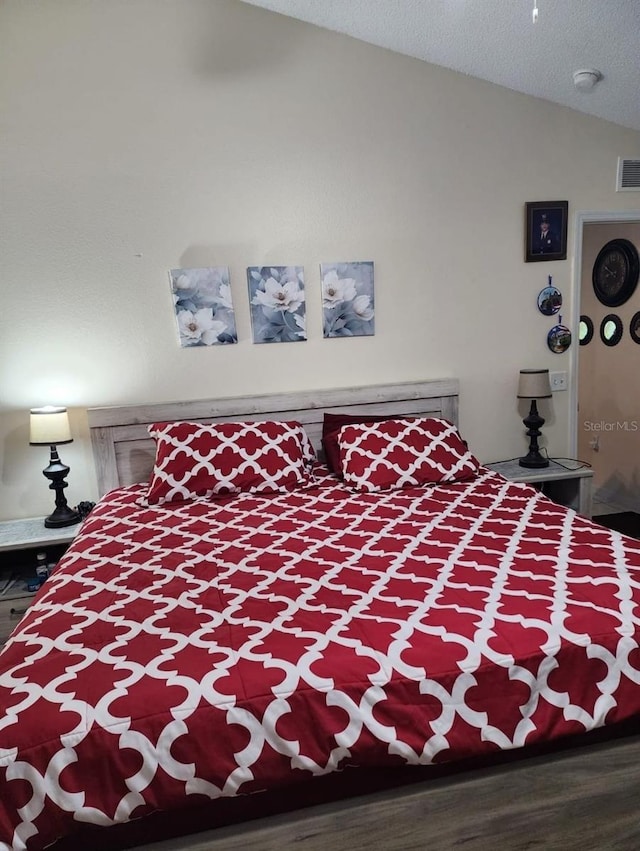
(49, 426)
(534, 384)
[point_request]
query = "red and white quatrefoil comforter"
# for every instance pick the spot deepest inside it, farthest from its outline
(215, 648)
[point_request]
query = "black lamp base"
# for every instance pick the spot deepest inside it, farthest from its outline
(62, 517)
(533, 459)
(56, 472)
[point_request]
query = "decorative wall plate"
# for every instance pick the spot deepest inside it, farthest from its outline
(559, 339)
(611, 329)
(634, 327)
(549, 300)
(615, 272)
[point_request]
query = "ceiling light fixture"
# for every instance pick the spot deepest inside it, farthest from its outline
(534, 14)
(586, 78)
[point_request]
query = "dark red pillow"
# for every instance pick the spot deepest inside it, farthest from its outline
(331, 426)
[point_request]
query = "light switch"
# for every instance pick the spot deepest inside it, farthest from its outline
(558, 381)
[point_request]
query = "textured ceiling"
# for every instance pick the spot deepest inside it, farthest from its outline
(496, 40)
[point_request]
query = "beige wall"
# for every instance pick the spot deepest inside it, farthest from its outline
(609, 384)
(143, 135)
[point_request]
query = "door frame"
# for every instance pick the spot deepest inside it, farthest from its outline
(581, 219)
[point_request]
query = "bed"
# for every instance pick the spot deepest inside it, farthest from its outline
(463, 654)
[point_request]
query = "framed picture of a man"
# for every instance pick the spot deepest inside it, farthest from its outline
(546, 230)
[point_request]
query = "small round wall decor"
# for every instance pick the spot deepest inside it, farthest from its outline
(611, 329)
(559, 339)
(634, 327)
(586, 330)
(549, 300)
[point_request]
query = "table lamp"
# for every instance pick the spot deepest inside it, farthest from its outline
(534, 384)
(49, 426)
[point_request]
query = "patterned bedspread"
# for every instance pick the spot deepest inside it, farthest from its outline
(208, 649)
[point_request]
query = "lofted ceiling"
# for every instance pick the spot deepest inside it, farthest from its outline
(497, 40)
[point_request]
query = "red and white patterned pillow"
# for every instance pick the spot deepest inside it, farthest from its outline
(331, 425)
(404, 453)
(198, 460)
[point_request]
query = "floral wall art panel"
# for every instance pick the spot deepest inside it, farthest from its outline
(204, 310)
(348, 307)
(276, 296)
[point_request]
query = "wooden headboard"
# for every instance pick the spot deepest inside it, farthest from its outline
(124, 452)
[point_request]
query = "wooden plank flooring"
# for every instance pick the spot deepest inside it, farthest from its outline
(577, 801)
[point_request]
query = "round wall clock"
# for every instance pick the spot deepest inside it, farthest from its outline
(615, 272)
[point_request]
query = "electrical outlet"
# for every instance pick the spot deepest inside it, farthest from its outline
(558, 381)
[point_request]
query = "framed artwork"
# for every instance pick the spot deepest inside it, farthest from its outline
(203, 306)
(348, 306)
(546, 230)
(277, 302)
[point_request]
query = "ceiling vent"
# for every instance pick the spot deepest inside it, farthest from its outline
(628, 175)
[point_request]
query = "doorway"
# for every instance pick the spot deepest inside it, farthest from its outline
(605, 405)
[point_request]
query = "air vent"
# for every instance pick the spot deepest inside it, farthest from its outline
(628, 175)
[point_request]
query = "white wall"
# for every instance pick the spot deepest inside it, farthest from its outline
(209, 132)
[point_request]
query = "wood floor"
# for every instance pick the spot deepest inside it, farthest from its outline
(582, 801)
(626, 522)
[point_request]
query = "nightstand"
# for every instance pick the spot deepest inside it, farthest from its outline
(572, 487)
(20, 540)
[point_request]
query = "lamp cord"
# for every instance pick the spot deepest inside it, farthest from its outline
(558, 461)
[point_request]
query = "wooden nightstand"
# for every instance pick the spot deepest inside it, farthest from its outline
(20, 540)
(572, 488)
